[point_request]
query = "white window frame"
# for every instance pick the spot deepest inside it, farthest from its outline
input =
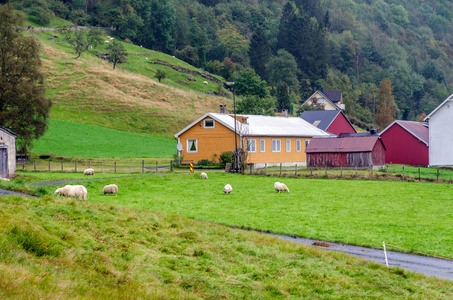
(209, 127)
(262, 145)
(298, 148)
(306, 144)
(251, 146)
(278, 145)
(188, 146)
(288, 145)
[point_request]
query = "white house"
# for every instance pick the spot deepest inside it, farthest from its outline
(441, 134)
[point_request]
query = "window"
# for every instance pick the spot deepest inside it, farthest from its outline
(321, 100)
(208, 123)
(192, 146)
(251, 145)
(288, 145)
(276, 146)
(262, 145)
(297, 145)
(306, 144)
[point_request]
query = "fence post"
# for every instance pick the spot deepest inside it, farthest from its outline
(89, 164)
(311, 171)
(251, 167)
(387, 172)
(115, 166)
(75, 165)
(280, 169)
(49, 165)
(355, 171)
(371, 172)
(418, 174)
(326, 171)
(130, 165)
(295, 172)
(61, 166)
(265, 167)
(34, 164)
(437, 174)
(156, 166)
(23, 164)
(102, 166)
(403, 173)
(143, 165)
(171, 166)
(341, 171)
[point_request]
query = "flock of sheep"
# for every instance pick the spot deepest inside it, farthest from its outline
(278, 186)
(80, 192)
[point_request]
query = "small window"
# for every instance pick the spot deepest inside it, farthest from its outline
(321, 100)
(251, 146)
(208, 123)
(192, 146)
(276, 147)
(262, 146)
(297, 145)
(306, 144)
(288, 145)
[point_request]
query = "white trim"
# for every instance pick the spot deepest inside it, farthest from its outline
(188, 148)
(251, 142)
(438, 107)
(397, 122)
(208, 127)
(277, 142)
(288, 141)
(263, 145)
(298, 146)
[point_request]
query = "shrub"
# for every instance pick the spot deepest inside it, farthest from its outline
(226, 157)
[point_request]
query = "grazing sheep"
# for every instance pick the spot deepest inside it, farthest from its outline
(280, 187)
(88, 172)
(203, 175)
(205, 82)
(77, 191)
(110, 189)
(227, 189)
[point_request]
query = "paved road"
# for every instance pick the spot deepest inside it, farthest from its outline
(11, 193)
(440, 268)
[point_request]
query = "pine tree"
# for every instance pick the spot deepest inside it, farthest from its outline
(386, 107)
(283, 98)
(259, 52)
(289, 12)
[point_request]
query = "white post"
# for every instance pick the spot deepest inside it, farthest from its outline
(385, 254)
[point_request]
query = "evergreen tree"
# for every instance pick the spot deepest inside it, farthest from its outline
(289, 12)
(259, 52)
(386, 107)
(283, 98)
(283, 68)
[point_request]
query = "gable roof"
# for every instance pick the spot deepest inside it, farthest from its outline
(334, 104)
(334, 96)
(326, 117)
(343, 144)
(8, 131)
(263, 125)
(418, 129)
(450, 98)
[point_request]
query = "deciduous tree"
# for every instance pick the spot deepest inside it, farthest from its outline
(116, 52)
(23, 106)
(386, 107)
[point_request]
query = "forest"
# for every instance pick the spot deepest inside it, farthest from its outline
(286, 50)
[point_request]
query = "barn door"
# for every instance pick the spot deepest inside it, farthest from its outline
(3, 161)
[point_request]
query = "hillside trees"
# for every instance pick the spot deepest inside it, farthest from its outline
(117, 53)
(259, 52)
(23, 107)
(386, 108)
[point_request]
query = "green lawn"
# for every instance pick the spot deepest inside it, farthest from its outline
(76, 139)
(416, 216)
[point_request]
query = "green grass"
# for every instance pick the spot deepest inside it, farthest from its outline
(411, 215)
(56, 248)
(77, 139)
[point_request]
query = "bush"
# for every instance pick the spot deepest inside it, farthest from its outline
(226, 157)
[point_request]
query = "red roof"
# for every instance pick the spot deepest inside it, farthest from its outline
(419, 130)
(343, 144)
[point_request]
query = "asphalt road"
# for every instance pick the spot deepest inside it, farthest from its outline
(430, 266)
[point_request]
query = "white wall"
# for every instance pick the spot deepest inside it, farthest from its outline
(441, 136)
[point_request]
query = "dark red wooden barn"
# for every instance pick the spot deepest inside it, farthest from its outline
(406, 143)
(347, 151)
(332, 121)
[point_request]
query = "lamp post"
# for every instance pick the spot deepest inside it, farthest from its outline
(236, 154)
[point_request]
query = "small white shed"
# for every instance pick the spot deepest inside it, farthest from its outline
(441, 134)
(7, 153)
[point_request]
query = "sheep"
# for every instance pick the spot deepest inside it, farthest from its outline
(110, 189)
(203, 175)
(227, 189)
(106, 41)
(88, 172)
(205, 82)
(280, 187)
(77, 191)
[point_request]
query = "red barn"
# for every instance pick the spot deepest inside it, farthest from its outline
(332, 121)
(407, 143)
(360, 150)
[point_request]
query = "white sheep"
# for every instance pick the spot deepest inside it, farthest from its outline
(88, 172)
(77, 191)
(280, 187)
(227, 189)
(205, 82)
(203, 175)
(110, 189)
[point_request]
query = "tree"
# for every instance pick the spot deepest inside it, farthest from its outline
(78, 42)
(386, 107)
(94, 38)
(160, 74)
(116, 53)
(248, 83)
(283, 69)
(283, 98)
(23, 107)
(255, 105)
(259, 52)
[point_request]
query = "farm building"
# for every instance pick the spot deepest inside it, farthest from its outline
(328, 100)
(406, 142)
(7, 153)
(362, 151)
(264, 139)
(332, 121)
(441, 134)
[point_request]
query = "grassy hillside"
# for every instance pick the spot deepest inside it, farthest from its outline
(74, 249)
(128, 98)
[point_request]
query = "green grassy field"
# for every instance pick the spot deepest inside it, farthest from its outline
(412, 215)
(56, 248)
(76, 139)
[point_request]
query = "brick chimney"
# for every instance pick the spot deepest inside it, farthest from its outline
(223, 108)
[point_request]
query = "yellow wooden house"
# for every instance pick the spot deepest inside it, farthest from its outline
(265, 139)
